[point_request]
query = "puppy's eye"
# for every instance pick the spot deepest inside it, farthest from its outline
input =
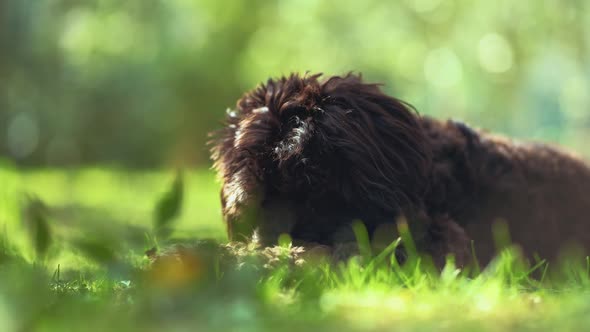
(292, 112)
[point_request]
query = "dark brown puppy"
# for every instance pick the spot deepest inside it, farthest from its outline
(307, 157)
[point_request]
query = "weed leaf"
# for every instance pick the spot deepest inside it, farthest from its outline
(169, 207)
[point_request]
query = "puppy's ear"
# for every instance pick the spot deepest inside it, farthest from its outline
(377, 139)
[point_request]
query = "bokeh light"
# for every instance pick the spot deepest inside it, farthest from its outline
(495, 53)
(22, 136)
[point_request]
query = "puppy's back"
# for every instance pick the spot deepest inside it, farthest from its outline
(541, 193)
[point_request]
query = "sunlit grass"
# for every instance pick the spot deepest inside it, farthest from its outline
(119, 196)
(96, 277)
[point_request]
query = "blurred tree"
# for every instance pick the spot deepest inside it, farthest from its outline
(139, 83)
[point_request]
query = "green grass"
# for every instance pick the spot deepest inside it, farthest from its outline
(73, 260)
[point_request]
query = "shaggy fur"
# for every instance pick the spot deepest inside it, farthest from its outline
(306, 156)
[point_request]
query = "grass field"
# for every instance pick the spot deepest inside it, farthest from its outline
(73, 259)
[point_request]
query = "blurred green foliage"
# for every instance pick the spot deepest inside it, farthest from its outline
(141, 82)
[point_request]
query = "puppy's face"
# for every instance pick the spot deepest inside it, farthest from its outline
(306, 157)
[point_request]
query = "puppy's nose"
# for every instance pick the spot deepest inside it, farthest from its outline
(241, 226)
(277, 216)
